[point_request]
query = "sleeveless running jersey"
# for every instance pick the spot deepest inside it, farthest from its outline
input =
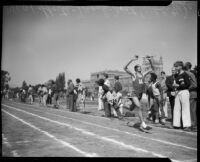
(156, 91)
(138, 83)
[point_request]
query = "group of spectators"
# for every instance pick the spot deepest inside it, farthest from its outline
(180, 89)
(75, 95)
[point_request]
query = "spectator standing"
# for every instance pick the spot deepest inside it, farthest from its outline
(55, 95)
(164, 93)
(67, 98)
(150, 98)
(182, 103)
(80, 94)
(72, 101)
(49, 97)
(107, 85)
(40, 94)
(100, 101)
(23, 95)
(118, 96)
(158, 99)
(45, 95)
(171, 90)
(30, 94)
(193, 95)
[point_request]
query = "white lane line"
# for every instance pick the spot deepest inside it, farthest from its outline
(191, 160)
(5, 141)
(91, 134)
(174, 130)
(15, 154)
(94, 135)
(66, 110)
(164, 129)
(53, 137)
(132, 134)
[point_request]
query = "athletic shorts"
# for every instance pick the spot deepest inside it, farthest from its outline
(137, 94)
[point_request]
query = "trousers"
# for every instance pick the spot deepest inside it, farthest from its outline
(182, 109)
(172, 102)
(72, 103)
(193, 107)
(100, 104)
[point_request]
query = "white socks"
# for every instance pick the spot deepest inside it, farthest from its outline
(143, 125)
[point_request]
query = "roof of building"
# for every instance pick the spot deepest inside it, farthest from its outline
(109, 72)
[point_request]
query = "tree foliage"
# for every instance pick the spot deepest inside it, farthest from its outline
(5, 78)
(60, 81)
(50, 83)
(24, 85)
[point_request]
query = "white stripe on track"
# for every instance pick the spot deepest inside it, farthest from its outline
(5, 141)
(132, 134)
(103, 118)
(35, 106)
(93, 134)
(53, 137)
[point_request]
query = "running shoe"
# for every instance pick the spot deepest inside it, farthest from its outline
(188, 129)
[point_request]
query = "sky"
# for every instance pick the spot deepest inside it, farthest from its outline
(39, 42)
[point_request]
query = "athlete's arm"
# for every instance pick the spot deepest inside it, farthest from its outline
(152, 67)
(126, 67)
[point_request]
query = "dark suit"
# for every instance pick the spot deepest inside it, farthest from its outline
(71, 97)
(169, 82)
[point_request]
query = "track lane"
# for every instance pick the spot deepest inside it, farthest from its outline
(126, 137)
(84, 141)
(119, 126)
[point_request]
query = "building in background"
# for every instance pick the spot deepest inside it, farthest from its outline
(124, 78)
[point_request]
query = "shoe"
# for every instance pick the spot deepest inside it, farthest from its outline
(194, 128)
(144, 129)
(130, 124)
(120, 117)
(148, 127)
(187, 129)
(162, 121)
(156, 121)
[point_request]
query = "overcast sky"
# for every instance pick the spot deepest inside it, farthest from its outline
(41, 41)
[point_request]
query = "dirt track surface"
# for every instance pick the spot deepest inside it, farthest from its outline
(36, 131)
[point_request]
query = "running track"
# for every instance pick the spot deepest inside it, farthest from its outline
(30, 130)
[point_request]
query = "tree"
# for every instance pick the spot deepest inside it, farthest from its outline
(50, 83)
(60, 81)
(5, 78)
(24, 85)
